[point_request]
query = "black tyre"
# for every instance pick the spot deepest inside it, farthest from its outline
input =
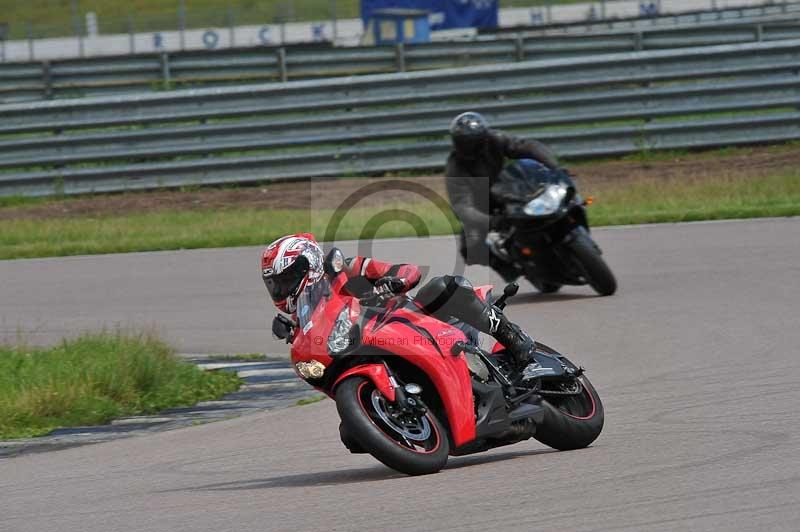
(572, 421)
(414, 446)
(589, 260)
(545, 287)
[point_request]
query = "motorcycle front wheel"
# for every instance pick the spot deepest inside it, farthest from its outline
(410, 443)
(590, 262)
(544, 287)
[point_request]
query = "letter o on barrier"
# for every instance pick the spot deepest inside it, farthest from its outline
(210, 39)
(263, 35)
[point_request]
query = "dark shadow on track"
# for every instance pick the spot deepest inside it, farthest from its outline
(478, 459)
(352, 476)
(305, 480)
(538, 297)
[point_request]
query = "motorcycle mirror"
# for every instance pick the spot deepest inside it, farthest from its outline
(510, 290)
(334, 262)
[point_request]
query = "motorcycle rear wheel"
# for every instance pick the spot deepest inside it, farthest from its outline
(572, 422)
(413, 447)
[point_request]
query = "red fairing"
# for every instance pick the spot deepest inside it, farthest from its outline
(426, 343)
(401, 332)
(376, 373)
(484, 291)
(312, 344)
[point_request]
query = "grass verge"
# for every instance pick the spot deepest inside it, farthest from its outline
(26, 238)
(694, 199)
(310, 400)
(625, 202)
(95, 378)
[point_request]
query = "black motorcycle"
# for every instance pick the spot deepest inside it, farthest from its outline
(546, 230)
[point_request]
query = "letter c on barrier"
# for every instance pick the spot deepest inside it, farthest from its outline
(210, 39)
(263, 35)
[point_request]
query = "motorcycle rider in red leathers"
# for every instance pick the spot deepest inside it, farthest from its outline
(293, 262)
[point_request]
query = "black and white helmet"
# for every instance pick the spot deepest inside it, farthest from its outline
(468, 131)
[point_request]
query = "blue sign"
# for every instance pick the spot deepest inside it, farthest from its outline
(318, 32)
(444, 14)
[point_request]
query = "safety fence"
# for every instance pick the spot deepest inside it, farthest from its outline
(137, 73)
(584, 107)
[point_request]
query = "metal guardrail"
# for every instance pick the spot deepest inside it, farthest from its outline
(584, 107)
(137, 73)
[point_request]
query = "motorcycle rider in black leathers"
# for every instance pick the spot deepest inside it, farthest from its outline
(478, 156)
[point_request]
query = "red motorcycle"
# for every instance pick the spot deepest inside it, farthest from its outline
(412, 390)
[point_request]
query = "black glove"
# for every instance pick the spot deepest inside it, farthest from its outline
(283, 328)
(390, 285)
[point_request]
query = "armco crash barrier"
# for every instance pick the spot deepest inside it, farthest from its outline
(128, 74)
(584, 107)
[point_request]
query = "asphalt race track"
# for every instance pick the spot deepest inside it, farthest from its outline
(696, 359)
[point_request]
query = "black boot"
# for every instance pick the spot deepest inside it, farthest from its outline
(519, 345)
(453, 297)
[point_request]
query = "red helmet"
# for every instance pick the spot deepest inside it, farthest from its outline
(288, 265)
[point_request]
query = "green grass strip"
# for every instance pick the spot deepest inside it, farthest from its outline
(310, 400)
(28, 238)
(697, 199)
(650, 201)
(95, 378)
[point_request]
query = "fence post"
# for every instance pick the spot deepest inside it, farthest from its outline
(283, 73)
(182, 23)
(759, 32)
(638, 41)
(29, 31)
(519, 47)
(400, 57)
(231, 20)
(334, 21)
(166, 78)
(131, 35)
(47, 80)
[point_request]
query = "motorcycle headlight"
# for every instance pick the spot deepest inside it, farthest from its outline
(547, 202)
(313, 369)
(342, 335)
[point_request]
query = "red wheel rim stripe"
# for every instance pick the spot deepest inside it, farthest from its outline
(594, 406)
(433, 426)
